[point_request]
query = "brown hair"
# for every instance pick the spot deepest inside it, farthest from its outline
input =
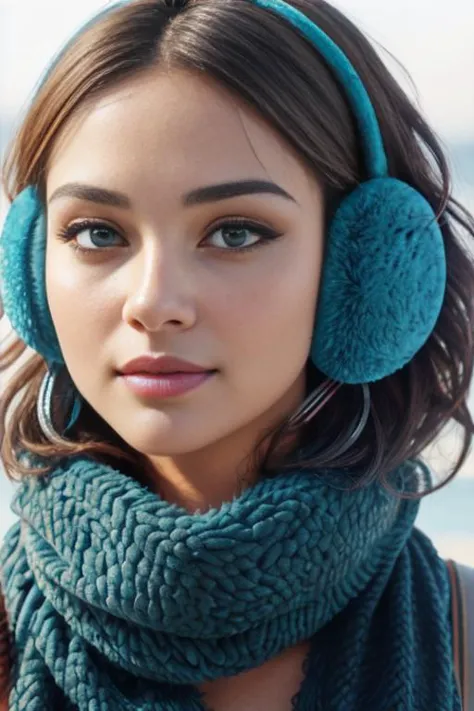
(262, 60)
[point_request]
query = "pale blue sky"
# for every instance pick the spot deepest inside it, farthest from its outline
(432, 38)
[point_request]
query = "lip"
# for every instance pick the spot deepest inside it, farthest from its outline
(165, 385)
(161, 365)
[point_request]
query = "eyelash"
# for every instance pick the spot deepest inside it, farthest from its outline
(267, 235)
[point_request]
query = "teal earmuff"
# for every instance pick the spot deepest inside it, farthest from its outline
(384, 275)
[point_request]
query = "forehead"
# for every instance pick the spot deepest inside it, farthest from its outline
(171, 127)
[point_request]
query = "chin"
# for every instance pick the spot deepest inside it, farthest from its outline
(169, 440)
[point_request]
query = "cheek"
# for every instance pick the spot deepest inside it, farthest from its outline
(76, 305)
(270, 313)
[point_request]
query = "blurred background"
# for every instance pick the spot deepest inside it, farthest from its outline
(427, 45)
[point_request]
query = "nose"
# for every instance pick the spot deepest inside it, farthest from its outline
(160, 296)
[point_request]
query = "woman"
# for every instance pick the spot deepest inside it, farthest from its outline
(239, 195)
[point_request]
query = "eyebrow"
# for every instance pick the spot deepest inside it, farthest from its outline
(209, 193)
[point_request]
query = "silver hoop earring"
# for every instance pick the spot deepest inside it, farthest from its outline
(44, 408)
(314, 403)
(359, 423)
(318, 399)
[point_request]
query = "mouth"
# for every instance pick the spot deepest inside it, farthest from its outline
(166, 384)
(163, 373)
(150, 364)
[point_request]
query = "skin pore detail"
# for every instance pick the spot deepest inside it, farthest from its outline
(167, 275)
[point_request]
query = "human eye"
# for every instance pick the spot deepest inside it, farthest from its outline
(71, 233)
(240, 235)
(233, 235)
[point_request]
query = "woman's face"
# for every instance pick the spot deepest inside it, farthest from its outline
(163, 275)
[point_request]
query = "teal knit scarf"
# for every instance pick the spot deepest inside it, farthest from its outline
(120, 600)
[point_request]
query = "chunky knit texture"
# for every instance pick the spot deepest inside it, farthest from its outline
(119, 600)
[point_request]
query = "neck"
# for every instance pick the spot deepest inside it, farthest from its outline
(222, 470)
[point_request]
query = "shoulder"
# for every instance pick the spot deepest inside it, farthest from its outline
(461, 576)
